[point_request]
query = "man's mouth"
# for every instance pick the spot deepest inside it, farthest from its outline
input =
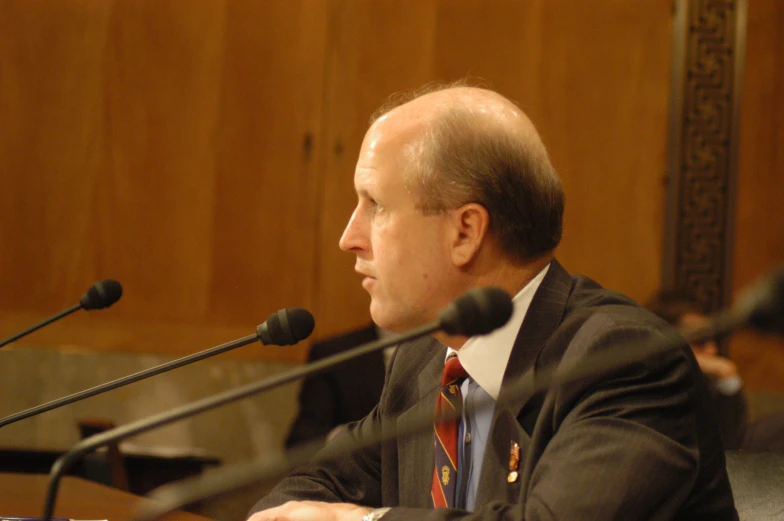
(364, 274)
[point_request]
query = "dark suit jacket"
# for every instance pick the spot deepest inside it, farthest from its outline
(765, 434)
(341, 395)
(638, 443)
(732, 416)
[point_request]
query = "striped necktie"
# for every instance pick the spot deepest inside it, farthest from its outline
(444, 486)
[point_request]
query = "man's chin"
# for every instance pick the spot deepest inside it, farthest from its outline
(383, 318)
(393, 322)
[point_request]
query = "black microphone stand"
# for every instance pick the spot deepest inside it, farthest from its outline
(276, 330)
(92, 443)
(99, 296)
(38, 326)
(98, 389)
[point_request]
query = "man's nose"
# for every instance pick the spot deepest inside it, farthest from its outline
(352, 238)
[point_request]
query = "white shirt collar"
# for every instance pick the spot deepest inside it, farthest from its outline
(485, 357)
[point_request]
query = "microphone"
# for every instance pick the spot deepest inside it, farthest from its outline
(458, 318)
(477, 312)
(760, 308)
(100, 295)
(284, 328)
(763, 305)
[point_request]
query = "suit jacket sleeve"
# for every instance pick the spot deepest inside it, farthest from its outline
(732, 415)
(625, 445)
(353, 479)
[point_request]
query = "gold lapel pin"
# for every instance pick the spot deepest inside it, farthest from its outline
(514, 462)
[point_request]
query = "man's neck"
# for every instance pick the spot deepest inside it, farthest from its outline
(509, 277)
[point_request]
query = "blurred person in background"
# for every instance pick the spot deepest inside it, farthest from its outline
(343, 394)
(726, 384)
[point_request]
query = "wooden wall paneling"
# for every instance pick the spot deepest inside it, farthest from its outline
(375, 49)
(228, 144)
(169, 145)
(269, 141)
(759, 219)
(130, 197)
(594, 78)
(51, 147)
(163, 75)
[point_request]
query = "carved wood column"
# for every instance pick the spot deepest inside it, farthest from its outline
(707, 72)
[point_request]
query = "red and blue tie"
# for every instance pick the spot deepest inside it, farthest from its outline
(444, 486)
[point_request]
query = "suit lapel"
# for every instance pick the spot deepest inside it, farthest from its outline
(416, 453)
(543, 316)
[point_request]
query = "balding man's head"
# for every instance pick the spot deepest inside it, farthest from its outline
(466, 144)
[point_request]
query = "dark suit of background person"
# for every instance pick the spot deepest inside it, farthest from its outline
(341, 395)
(596, 435)
(724, 383)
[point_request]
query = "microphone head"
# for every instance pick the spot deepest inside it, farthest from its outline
(477, 312)
(286, 327)
(101, 294)
(763, 304)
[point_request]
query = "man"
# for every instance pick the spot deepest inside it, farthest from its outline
(725, 383)
(456, 191)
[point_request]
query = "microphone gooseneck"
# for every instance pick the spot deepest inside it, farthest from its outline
(300, 321)
(762, 305)
(759, 307)
(286, 327)
(100, 295)
(63, 463)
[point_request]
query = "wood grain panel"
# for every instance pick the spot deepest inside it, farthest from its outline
(594, 77)
(51, 82)
(376, 49)
(759, 220)
(202, 152)
(169, 145)
(269, 139)
(155, 197)
(114, 174)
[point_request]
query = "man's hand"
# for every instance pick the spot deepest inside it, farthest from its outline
(715, 367)
(312, 511)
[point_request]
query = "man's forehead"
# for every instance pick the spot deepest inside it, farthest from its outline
(391, 134)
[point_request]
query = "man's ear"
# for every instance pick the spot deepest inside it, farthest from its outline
(470, 225)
